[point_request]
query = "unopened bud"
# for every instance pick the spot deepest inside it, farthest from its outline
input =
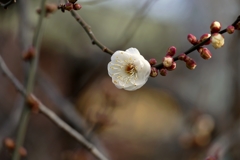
(152, 61)
(182, 56)
(77, 6)
(69, 6)
(154, 72)
(205, 53)
(9, 143)
(215, 27)
(33, 103)
(167, 61)
(191, 64)
(230, 29)
(204, 37)
(22, 151)
(29, 54)
(172, 67)
(217, 40)
(171, 51)
(51, 7)
(163, 71)
(192, 39)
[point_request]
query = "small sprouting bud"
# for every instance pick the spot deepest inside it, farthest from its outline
(33, 103)
(29, 54)
(154, 72)
(205, 53)
(171, 51)
(163, 71)
(192, 39)
(217, 40)
(49, 8)
(152, 61)
(69, 6)
(204, 37)
(22, 152)
(191, 64)
(215, 27)
(230, 29)
(9, 143)
(182, 57)
(167, 61)
(77, 6)
(172, 67)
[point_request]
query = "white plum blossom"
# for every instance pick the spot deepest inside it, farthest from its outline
(217, 40)
(129, 69)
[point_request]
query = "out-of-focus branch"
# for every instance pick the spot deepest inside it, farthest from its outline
(51, 115)
(30, 84)
(5, 5)
(88, 30)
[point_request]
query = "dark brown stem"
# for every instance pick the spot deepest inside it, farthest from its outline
(5, 5)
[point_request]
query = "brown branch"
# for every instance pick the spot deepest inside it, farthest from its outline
(5, 5)
(51, 115)
(88, 30)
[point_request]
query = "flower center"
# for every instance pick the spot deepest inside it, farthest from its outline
(130, 69)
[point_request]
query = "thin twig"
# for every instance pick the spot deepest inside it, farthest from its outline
(195, 47)
(88, 30)
(5, 5)
(51, 115)
(30, 85)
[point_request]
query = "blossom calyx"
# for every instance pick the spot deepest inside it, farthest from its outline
(129, 69)
(167, 61)
(217, 40)
(192, 39)
(215, 27)
(204, 37)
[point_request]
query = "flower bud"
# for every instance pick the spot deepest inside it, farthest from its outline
(204, 37)
(172, 67)
(167, 61)
(215, 27)
(9, 143)
(154, 72)
(192, 39)
(217, 40)
(191, 64)
(182, 56)
(51, 7)
(22, 152)
(69, 6)
(152, 61)
(77, 6)
(230, 29)
(171, 51)
(205, 53)
(211, 158)
(29, 54)
(163, 72)
(33, 103)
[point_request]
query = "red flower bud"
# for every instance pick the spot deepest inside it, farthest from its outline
(191, 64)
(192, 39)
(171, 51)
(230, 29)
(154, 72)
(69, 6)
(152, 61)
(205, 53)
(182, 57)
(163, 72)
(167, 61)
(172, 67)
(215, 27)
(204, 37)
(77, 6)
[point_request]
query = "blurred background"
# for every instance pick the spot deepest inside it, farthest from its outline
(187, 115)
